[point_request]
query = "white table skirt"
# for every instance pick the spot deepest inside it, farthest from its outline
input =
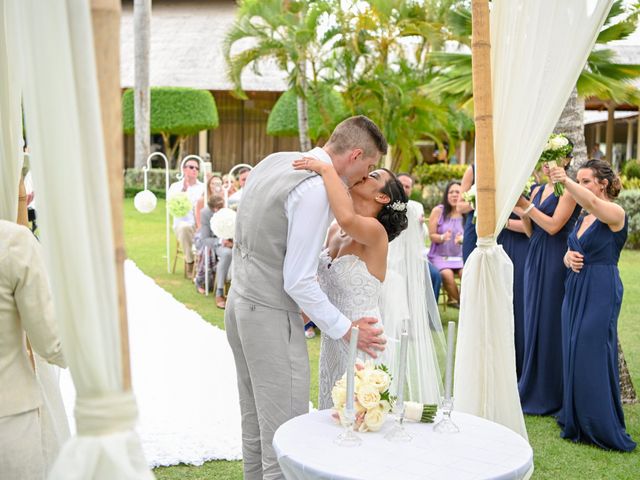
(482, 450)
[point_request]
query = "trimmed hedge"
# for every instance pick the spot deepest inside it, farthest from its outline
(430, 174)
(134, 181)
(631, 169)
(174, 110)
(630, 201)
(283, 119)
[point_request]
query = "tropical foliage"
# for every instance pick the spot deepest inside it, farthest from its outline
(176, 113)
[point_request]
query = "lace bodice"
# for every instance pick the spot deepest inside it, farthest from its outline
(356, 293)
(349, 285)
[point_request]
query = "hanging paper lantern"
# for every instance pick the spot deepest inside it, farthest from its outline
(223, 223)
(145, 201)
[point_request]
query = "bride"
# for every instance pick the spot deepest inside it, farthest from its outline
(353, 268)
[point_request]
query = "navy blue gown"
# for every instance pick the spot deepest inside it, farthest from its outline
(592, 411)
(470, 237)
(516, 245)
(540, 384)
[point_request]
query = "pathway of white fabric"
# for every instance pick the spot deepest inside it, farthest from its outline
(183, 377)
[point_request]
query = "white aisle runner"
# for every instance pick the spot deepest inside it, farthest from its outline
(184, 379)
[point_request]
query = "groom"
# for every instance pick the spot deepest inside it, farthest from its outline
(280, 228)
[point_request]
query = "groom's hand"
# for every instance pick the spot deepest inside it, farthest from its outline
(370, 338)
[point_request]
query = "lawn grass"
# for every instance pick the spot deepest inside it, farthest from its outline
(554, 458)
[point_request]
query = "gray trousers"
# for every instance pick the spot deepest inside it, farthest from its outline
(272, 366)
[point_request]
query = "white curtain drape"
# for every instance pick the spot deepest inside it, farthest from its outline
(538, 51)
(10, 117)
(62, 116)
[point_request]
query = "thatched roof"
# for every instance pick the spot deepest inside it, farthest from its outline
(186, 47)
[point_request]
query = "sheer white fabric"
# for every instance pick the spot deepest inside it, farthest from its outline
(538, 51)
(62, 117)
(10, 116)
(407, 293)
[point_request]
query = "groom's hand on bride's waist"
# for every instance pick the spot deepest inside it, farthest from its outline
(370, 339)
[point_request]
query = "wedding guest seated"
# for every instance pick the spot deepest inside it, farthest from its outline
(445, 232)
(26, 307)
(219, 255)
(243, 174)
(214, 187)
(229, 184)
(185, 227)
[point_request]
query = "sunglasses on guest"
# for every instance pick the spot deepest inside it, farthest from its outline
(192, 167)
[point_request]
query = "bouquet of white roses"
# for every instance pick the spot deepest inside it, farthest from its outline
(223, 223)
(372, 399)
(470, 197)
(526, 191)
(558, 147)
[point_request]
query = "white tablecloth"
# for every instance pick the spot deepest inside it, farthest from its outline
(482, 450)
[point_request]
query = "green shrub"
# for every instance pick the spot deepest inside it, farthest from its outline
(630, 183)
(632, 169)
(134, 181)
(174, 110)
(430, 174)
(630, 201)
(324, 109)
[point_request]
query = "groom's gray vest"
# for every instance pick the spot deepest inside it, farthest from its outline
(260, 241)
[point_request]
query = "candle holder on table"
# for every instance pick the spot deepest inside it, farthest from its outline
(446, 425)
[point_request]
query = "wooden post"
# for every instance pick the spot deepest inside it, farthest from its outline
(23, 216)
(629, 152)
(611, 108)
(483, 105)
(106, 33)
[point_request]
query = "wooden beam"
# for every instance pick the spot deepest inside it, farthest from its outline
(611, 108)
(483, 115)
(106, 33)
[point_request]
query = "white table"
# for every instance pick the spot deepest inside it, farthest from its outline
(482, 450)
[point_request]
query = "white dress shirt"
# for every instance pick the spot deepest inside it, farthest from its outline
(309, 217)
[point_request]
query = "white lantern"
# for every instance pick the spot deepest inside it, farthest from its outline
(145, 201)
(223, 223)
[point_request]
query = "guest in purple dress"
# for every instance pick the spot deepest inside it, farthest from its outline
(446, 233)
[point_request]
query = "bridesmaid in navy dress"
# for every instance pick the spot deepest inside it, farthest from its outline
(592, 411)
(470, 237)
(552, 219)
(515, 242)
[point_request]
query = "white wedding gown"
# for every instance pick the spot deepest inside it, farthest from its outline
(184, 379)
(355, 292)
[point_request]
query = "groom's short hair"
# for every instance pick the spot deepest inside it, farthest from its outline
(358, 132)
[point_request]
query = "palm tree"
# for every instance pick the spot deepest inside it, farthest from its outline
(379, 61)
(602, 76)
(281, 31)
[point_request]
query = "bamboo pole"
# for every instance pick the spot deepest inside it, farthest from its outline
(23, 216)
(483, 115)
(106, 34)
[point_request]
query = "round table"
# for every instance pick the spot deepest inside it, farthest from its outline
(482, 450)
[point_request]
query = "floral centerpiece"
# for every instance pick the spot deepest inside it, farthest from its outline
(558, 147)
(372, 399)
(179, 205)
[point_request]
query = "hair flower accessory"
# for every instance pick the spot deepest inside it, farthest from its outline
(398, 206)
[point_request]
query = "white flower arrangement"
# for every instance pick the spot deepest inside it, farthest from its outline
(372, 399)
(558, 147)
(223, 223)
(470, 197)
(145, 201)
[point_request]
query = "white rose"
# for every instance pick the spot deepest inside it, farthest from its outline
(368, 396)
(339, 396)
(556, 143)
(564, 141)
(378, 378)
(374, 419)
(547, 146)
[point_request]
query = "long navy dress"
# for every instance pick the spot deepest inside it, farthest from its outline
(540, 384)
(591, 410)
(516, 245)
(470, 237)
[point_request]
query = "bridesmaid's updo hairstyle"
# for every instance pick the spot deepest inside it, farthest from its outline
(603, 171)
(393, 215)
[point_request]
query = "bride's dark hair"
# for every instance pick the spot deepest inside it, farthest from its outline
(393, 215)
